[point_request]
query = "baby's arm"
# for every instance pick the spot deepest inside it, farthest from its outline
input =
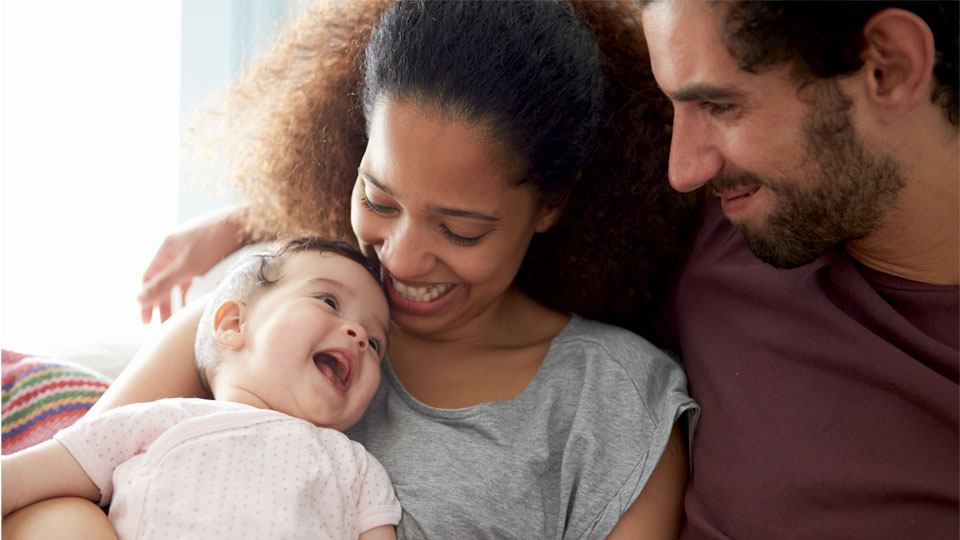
(386, 532)
(41, 472)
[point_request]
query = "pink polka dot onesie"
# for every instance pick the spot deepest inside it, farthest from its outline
(195, 468)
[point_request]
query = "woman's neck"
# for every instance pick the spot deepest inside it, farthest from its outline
(491, 359)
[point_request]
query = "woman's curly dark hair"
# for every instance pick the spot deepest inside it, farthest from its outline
(293, 127)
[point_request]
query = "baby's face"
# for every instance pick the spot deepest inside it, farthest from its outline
(316, 339)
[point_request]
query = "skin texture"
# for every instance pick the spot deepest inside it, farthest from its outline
(434, 206)
(830, 163)
(323, 302)
(299, 141)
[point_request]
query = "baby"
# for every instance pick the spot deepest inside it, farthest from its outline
(289, 342)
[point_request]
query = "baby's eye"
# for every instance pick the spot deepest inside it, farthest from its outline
(375, 345)
(330, 300)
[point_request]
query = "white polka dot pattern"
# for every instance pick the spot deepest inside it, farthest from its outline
(192, 468)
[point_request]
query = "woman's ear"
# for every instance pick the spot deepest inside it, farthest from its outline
(898, 61)
(228, 324)
(549, 216)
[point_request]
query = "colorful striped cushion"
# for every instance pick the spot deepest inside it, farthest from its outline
(42, 396)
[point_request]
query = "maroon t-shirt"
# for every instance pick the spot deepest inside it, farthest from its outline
(830, 397)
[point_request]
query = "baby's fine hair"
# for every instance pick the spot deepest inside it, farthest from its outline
(252, 276)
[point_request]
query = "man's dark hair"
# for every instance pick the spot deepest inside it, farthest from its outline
(825, 39)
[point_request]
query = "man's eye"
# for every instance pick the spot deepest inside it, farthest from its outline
(330, 300)
(717, 109)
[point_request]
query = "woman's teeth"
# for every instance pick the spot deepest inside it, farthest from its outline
(420, 294)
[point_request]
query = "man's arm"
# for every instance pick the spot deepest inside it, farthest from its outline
(41, 472)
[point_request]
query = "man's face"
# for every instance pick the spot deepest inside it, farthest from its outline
(790, 169)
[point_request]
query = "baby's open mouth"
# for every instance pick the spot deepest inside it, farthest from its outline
(335, 367)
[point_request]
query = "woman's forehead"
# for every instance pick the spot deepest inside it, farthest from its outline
(416, 153)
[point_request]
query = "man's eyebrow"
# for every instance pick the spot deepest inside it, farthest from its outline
(704, 91)
(452, 212)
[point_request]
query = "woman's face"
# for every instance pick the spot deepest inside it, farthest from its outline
(434, 202)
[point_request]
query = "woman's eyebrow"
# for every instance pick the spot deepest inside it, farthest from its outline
(452, 212)
(372, 180)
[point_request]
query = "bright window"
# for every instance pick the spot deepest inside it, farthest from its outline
(90, 117)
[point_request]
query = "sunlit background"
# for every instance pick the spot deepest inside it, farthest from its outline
(93, 97)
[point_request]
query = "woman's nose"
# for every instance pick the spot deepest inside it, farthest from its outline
(694, 156)
(406, 252)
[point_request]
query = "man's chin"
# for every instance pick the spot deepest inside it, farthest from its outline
(783, 250)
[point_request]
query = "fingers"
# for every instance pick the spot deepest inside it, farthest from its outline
(164, 308)
(156, 294)
(184, 288)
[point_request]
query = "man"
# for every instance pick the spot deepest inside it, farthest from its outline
(826, 135)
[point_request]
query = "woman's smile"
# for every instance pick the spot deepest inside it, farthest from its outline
(419, 298)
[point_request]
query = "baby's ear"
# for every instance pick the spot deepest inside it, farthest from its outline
(228, 324)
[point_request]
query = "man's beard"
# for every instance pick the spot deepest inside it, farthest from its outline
(844, 194)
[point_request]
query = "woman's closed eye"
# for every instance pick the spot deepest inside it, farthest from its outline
(373, 207)
(461, 240)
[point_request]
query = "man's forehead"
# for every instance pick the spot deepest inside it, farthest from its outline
(685, 48)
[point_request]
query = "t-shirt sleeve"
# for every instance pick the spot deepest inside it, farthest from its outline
(377, 504)
(633, 395)
(101, 443)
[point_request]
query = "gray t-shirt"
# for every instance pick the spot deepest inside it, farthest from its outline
(563, 459)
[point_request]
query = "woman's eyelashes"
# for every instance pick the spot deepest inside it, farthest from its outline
(461, 240)
(458, 239)
(375, 208)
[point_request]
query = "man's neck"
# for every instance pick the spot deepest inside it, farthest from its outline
(920, 238)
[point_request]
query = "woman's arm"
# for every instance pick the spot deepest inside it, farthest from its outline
(189, 252)
(658, 511)
(163, 368)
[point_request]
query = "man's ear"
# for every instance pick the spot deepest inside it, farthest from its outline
(549, 216)
(228, 324)
(898, 60)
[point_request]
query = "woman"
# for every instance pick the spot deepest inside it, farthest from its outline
(499, 414)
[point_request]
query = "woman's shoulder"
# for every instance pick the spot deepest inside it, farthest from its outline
(614, 361)
(606, 340)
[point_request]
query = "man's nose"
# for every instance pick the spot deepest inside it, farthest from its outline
(694, 155)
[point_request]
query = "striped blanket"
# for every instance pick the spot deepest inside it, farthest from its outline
(42, 396)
